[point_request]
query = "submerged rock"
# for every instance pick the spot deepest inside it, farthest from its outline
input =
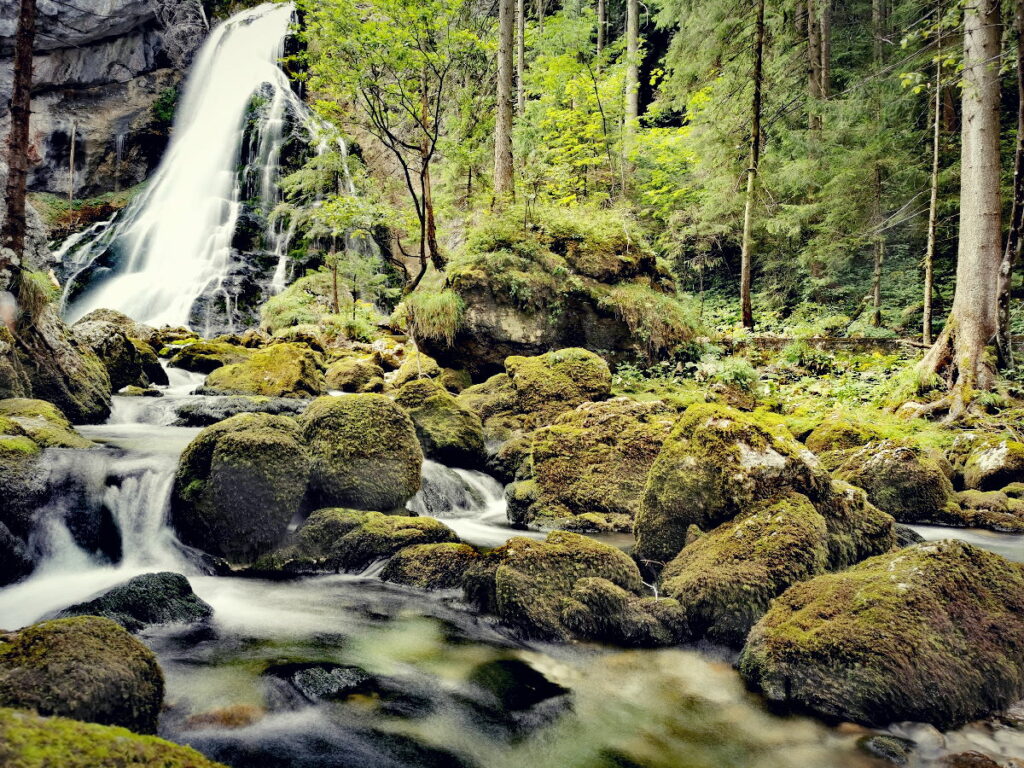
(352, 540)
(448, 432)
(364, 452)
(87, 668)
(30, 741)
(587, 470)
(238, 485)
(715, 464)
(280, 370)
(430, 566)
(930, 633)
(153, 598)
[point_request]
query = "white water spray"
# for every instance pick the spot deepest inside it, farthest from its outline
(174, 242)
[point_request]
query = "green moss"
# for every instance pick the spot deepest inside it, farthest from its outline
(434, 315)
(589, 468)
(87, 668)
(726, 579)
(840, 432)
(43, 422)
(153, 598)
(448, 432)
(930, 633)
(995, 465)
(280, 370)
(557, 381)
(430, 566)
(993, 510)
(238, 485)
(204, 356)
(364, 450)
(598, 610)
(661, 322)
(715, 464)
(30, 741)
(355, 374)
(415, 365)
(352, 540)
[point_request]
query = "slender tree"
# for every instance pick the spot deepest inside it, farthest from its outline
(933, 204)
(825, 23)
(1014, 240)
(878, 17)
(814, 58)
(959, 352)
(632, 64)
(12, 240)
(746, 253)
(503, 182)
(602, 23)
(520, 56)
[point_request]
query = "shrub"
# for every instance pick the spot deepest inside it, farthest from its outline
(435, 315)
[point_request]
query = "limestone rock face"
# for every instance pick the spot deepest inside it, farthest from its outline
(930, 633)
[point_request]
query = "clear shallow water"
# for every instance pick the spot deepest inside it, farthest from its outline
(1010, 546)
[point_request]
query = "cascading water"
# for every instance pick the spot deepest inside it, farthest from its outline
(173, 245)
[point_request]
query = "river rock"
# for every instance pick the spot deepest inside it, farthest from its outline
(238, 485)
(448, 432)
(415, 365)
(153, 598)
(280, 370)
(995, 465)
(124, 363)
(352, 540)
(133, 330)
(993, 510)
(204, 356)
(87, 668)
(43, 423)
(364, 451)
(355, 374)
(430, 566)
(715, 464)
(22, 479)
(14, 559)
(204, 411)
(30, 741)
(840, 432)
(930, 633)
(588, 469)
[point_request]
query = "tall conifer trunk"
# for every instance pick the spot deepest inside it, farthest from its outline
(1014, 241)
(503, 183)
(746, 254)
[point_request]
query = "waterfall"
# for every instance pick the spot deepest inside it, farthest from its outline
(173, 244)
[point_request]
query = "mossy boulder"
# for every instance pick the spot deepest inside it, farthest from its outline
(904, 482)
(120, 356)
(152, 371)
(305, 333)
(238, 485)
(355, 374)
(726, 579)
(531, 587)
(351, 540)
(133, 330)
(43, 423)
(153, 598)
(415, 365)
(840, 432)
(87, 668)
(715, 464)
(448, 432)
(430, 566)
(280, 370)
(204, 411)
(588, 469)
(930, 633)
(22, 480)
(995, 465)
(364, 451)
(205, 356)
(30, 741)
(993, 510)
(599, 611)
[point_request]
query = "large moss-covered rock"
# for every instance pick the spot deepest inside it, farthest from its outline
(930, 633)
(153, 598)
(14, 559)
(726, 579)
(840, 432)
(205, 356)
(351, 540)
(43, 422)
(204, 411)
(533, 587)
(22, 480)
(587, 470)
(238, 485)
(599, 611)
(993, 510)
(87, 668)
(133, 330)
(448, 431)
(994, 465)
(121, 357)
(280, 370)
(364, 452)
(715, 464)
(904, 482)
(355, 374)
(14, 381)
(30, 741)
(430, 566)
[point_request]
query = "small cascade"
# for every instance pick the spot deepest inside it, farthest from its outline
(118, 158)
(172, 256)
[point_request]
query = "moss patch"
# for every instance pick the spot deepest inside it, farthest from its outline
(280, 370)
(430, 566)
(43, 422)
(448, 431)
(204, 356)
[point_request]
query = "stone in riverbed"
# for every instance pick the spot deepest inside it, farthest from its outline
(153, 598)
(121, 357)
(87, 668)
(280, 370)
(204, 411)
(43, 422)
(205, 356)
(448, 432)
(355, 374)
(14, 560)
(238, 485)
(364, 452)
(992, 466)
(930, 633)
(430, 566)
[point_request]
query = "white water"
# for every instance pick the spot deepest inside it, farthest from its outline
(175, 239)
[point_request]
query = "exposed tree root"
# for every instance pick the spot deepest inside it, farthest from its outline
(965, 367)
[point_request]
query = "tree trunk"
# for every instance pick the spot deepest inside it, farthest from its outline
(335, 302)
(601, 30)
(632, 64)
(878, 16)
(1014, 241)
(959, 352)
(826, 48)
(12, 238)
(813, 66)
(503, 185)
(933, 205)
(520, 56)
(428, 227)
(540, 16)
(746, 255)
